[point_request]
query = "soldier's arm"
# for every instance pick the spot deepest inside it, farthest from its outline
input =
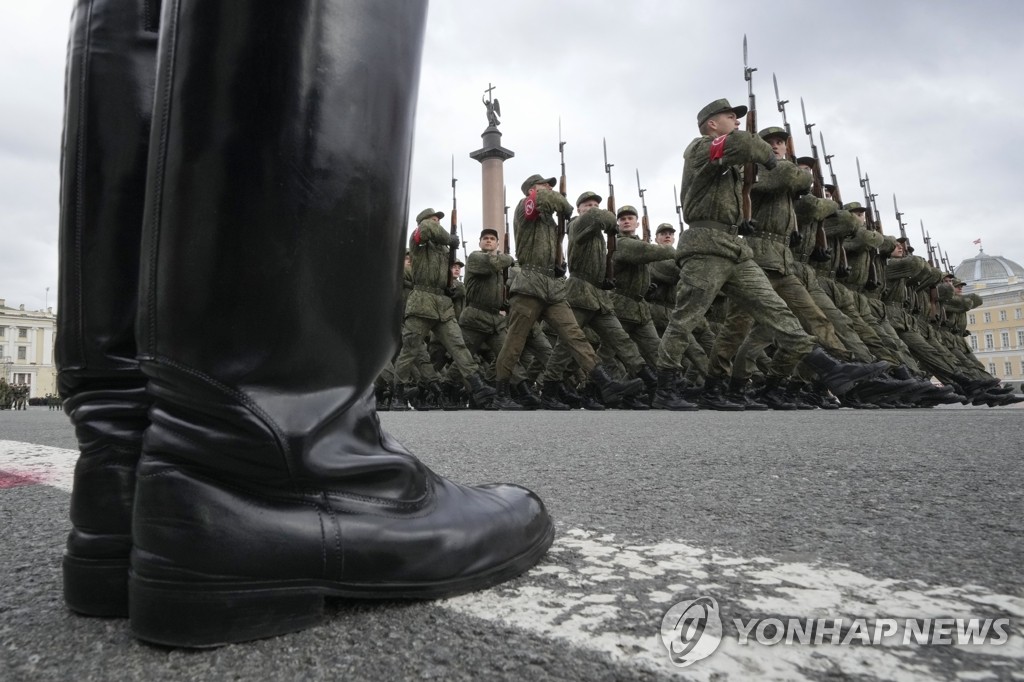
(665, 272)
(785, 177)
(550, 201)
(481, 263)
(810, 208)
(431, 230)
(863, 239)
(584, 226)
(637, 252)
(735, 149)
(904, 268)
(841, 224)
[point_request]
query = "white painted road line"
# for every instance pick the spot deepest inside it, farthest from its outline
(605, 594)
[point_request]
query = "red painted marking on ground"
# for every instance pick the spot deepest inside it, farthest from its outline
(10, 479)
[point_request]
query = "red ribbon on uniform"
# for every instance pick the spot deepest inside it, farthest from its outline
(718, 148)
(530, 208)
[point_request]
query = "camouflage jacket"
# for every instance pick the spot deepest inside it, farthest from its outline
(485, 292)
(633, 276)
(772, 209)
(711, 192)
(810, 211)
(860, 250)
(665, 277)
(587, 260)
(838, 226)
(428, 247)
(898, 275)
(535, 246)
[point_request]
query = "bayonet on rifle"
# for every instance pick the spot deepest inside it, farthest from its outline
(646, 225)
(609, 263)
(453, 252)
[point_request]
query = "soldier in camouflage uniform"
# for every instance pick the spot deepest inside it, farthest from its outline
(590, 303)
(483, 320)
(430, 308)
(713, 258)
(539, 291)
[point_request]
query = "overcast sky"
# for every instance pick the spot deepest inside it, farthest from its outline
(925, 92)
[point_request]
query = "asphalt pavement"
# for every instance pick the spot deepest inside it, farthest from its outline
(853, 515)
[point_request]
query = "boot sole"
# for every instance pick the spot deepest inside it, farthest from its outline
(96, 587)
(201, 615)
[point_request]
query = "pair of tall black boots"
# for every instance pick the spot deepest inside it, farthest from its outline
(233, 207)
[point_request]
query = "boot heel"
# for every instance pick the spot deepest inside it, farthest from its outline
(96, 587)
(177, 614)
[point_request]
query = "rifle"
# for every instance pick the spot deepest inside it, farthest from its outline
(562, 189)
(843, 267)
(462, 236)
(609, 264)
(927, 239)
(821, 253)
(781, 103)
(679, 209)
(646, 221)
(506, 249)
(899, 219)
(937, 311)
(750, 169)
(453, 252)
(873, 281)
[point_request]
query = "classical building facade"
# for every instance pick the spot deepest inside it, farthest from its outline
(26, 348)
(997, 327)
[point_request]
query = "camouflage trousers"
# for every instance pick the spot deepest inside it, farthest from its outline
(414, 332)
(793, 291)
(933, 358)
(524, 312)
(701, 278)
(615, 343)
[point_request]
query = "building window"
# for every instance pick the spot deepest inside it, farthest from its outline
(1008, 367)
(988, 341)
(3, 332)
(988, 317)
(1020, 339)
(1016, 315)
(1004, 338)
(974, 342)
(22, 353)
(970, 319)
(992, 368)
(22, 332)
(25, 379)
(1002, 316)
(1022, 367)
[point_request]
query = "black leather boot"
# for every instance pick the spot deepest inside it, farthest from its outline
(480, 390)
(737, 393)
(840, 377)
(110, 79)
(525, 397)
(549, 396)
(666, 398)
(503, 399)
(280, 182)
(773, 394)
(713, 397)
(613, 391)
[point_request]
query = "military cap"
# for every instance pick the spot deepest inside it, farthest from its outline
(719, 106)
(830, 187)
(773, 131)
(488, 230)
(533, 180)
(626, 209)
(959, 283)
(459, 263)
(589, 195)
(665, 227)
(427, 213)
(806, 161)
(854, 207)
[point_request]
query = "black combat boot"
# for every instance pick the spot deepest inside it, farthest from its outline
(713, 396)
(480, 391)
(383, 394)
(840, 377)
(590, 397)
(503, 399)
(399, 400)
(266, 484)
(794, 394)
(650, 379)
(773, 394)
(571, 396)
(666, 398)
(111, 74)
(613, 391)
(737, 393)
(525, 397)
(549, 396)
